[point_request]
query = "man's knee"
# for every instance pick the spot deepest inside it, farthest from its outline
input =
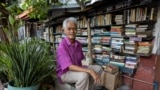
(99, 69)
(83, 76)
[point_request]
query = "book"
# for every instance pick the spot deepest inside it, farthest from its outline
(110, 68)
(117, 63)
(132, 66)
(144, 34)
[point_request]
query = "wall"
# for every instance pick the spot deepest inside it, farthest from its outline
(157, 33)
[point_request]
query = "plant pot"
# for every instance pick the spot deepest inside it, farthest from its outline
(11, 87)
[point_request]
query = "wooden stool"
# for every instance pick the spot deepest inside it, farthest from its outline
(64, 86)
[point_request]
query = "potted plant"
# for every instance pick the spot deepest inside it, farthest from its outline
(26, 62)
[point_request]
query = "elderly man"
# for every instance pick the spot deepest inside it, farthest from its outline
(69, 57)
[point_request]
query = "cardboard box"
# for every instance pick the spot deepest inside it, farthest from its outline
(111, 81)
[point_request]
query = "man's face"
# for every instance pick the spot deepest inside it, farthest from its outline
(70, 30)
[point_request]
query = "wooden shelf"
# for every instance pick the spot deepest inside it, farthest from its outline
(145, 55)
(143, 22)
(57, 33)
(129, 7)
(148, 38)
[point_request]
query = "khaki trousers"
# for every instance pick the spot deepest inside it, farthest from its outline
(82, 80)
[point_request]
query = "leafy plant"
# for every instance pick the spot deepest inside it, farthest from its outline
(26, 62)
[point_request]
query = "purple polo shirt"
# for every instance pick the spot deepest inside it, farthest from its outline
(68, 54)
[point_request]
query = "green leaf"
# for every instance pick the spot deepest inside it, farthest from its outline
(11, 20)
(3, 4)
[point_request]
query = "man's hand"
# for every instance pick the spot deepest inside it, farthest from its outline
(95, 76)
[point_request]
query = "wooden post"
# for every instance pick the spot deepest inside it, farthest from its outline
(89, 40)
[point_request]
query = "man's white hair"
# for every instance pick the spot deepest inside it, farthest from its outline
(70, 19)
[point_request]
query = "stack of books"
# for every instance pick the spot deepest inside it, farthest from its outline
(130, 30)
(117, 43)
(97, 48)
(119, 19)
(105, 40)
(144, 48)
(105, 48)
(116, 31)
(145, 34)
(100, 55)
(105, 59)
(85, 49)
(84, 32)
(131, 62)
(102, 59)
(58, 39)
(96, 39)
(130, 47)
(102, 31)
(98, 58)
(79, 32)
(143, 31)
(82, 40)
(117, 59)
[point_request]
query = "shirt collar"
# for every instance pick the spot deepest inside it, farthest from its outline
(69, 43)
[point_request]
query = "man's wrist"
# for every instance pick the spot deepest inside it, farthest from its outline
(89, 71)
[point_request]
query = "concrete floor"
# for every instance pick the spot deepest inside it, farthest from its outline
(1, 86)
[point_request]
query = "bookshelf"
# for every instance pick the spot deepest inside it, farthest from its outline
(121, 31)
(121, 34)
